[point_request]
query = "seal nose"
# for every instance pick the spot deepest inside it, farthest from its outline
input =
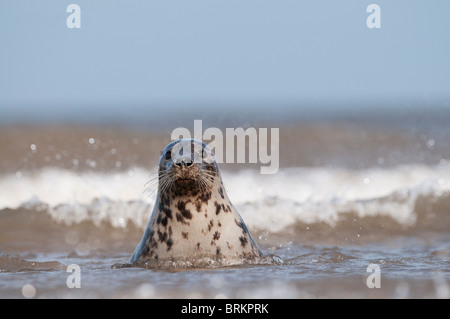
(183, 161)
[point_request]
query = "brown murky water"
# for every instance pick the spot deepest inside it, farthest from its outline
(346, 196)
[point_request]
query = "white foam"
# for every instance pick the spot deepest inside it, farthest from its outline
(311, 195)
(71, 197)
(267, 202)
(54, 186)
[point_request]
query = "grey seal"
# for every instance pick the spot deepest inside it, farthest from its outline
(193, 217)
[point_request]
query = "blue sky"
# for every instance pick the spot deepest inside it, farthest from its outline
(233, 53)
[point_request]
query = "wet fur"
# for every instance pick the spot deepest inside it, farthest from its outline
(192, 216)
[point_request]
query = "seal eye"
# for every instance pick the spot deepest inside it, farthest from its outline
(168, 155)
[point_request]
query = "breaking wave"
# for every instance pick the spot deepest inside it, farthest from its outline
(408, 197)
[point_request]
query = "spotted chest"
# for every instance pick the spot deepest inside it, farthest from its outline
(205, 225)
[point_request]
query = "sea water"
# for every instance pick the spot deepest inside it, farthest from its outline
(347, 196)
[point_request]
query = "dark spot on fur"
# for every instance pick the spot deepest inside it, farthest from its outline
(162, 237)
(181, 205)
(181, 219)
(185, 235)
(168, 212)
(216, 235)
(198, 245)
(198, 205)
(219, 224)
(169, 244)
(205, 197)
(221, 193)
(218, 207)
(165, 201)
(164, 221)
(243, 241)
(151, 242)
(210, 225)
(185, 212)
(218, 251)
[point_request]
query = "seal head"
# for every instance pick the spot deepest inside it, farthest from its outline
(193, 216)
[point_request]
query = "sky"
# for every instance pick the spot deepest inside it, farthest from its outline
(131, 56)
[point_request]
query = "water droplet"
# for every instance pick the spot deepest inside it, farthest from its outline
(33, 148)
(146, 291)
(91, 163)
(28, 291)
(91, 140)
